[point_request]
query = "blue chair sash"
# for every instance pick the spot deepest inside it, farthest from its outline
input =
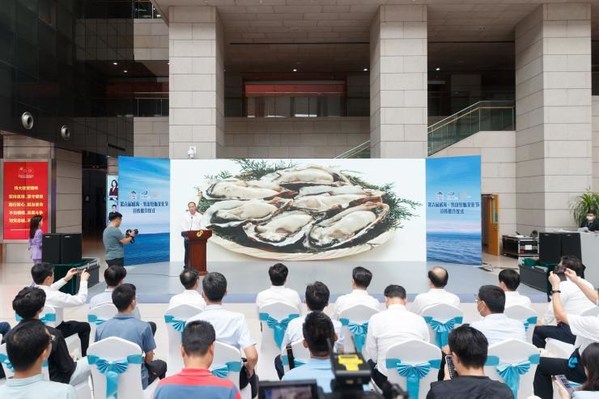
(510, 373)
(358, 331)
(413, 372)
(112, 370)
(48, 317)
(298, 362)
(223, 371)
(278, 326)
(531, 321)
(6, 362)
(92, 318)
(178, 325)
(442, 329)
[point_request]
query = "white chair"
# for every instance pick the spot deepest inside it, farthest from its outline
(413, 365)
(123, 357)
(175, 319)
(301, 355)
(227, 364)
(441, 319)
(98, 315)
(513, 362)
(557, 349)
(7, 366)
(524, 314)
(274, 319)
(355, 324)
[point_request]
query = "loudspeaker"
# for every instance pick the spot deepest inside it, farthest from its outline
(571, 244)
(549, 248)
(70, 248)
(51, 248)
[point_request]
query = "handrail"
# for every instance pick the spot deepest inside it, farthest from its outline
(469, 109)
(355, 150)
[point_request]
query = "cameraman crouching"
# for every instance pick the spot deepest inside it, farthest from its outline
(114, 240)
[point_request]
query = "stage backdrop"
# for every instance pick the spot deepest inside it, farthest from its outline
(453, 210)
(144, 200)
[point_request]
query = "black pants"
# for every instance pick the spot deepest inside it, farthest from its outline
(244, 380)
(156, 369)
(186, 256)
(379, 378)
(116, 262)
(68, 328)
(279, 367)
(552, 366)
(561, 332)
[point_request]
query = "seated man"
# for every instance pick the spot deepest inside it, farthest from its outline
(437, 280)
(190, 279)
(28, 346)
(361, 279)
(574, 302)
(196, 380)
(125, 325)
(29, 303)
(318, 331)
(231, 327)
(586, 330)
(509, 280)
(278, 292)
(495, 325)
(468, 347)
(390, 327)
(43, 277)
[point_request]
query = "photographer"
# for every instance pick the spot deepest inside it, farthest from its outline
(114, 240)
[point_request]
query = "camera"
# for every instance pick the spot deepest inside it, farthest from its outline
(131, 233)
(560, 270)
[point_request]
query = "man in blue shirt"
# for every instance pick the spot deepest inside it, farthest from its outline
(114, 240)
(318, 330)
(125, 325)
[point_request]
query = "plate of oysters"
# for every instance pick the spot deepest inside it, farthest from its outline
(305, 212)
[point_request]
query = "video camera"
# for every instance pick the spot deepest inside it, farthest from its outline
(131, 233)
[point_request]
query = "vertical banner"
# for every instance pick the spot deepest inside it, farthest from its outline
(453, 202)
(25, 195)
(143, 199)
(112, 194)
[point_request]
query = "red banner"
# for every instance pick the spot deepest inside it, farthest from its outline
(25, 195)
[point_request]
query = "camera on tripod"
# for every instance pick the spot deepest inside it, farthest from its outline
(131, 233)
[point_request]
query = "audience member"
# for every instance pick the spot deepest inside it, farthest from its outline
(390, 327)
(196, 380)
(361, 278)
(318, 331)
(278, 292)
(190, 279)
(574, 302)
(125, 325)
(590, 362)
(317, 298)
(509, 280)
(589, 291)
(43, 277)
(437, 280)
(495, 325)
(468, 348)
(28, 345)
(231, 327)
(29, 304)
(586, 330)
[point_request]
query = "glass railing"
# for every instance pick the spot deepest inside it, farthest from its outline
(481, 116)
(360, 151)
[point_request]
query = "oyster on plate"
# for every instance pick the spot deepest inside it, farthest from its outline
(284, 229)
(306, 175)
(326, 202)
(346, 226)
(244, 190)
(233, 213)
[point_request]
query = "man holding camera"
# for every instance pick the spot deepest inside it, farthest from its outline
(114, 240)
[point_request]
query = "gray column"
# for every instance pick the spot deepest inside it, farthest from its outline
(553, 105)
(398, 82)
(196, 82)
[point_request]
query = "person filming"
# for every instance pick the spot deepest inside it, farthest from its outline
(114, 240)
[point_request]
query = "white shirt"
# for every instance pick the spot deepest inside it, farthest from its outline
(513, 298)
(191, 222)
(187, 297)
(279, 294)
(573, 300)
(106, 297)
(356, 297)
(230, 327)
(498, 327)
(434, 296)
(295, 332)
(60, 300)
(390, 327)
(586, 329)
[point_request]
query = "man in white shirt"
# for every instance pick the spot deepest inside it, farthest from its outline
(497, 327)
(437, 280)
(190, 279)
(43, 276)
(278, 292)
(573, 300)
(361, 278)
(191, 221)
(509, 280)
(230, 327)
(390, 327)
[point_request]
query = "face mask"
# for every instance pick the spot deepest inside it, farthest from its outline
(590, 218)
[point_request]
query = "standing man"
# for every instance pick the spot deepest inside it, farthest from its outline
(114, 240)
(191, 221)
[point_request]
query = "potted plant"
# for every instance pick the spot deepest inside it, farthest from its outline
(581, 205)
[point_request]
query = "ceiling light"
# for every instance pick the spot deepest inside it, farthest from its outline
(125, 71)
(437, 69)
(294, 69)
(115, 63)
(158, 15)
(365, 69)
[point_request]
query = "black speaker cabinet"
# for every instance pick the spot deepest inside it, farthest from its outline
(571, 245)
(550, 248)
(70, 248)
(51, 248)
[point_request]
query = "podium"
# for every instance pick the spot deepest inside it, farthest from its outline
(197, 249)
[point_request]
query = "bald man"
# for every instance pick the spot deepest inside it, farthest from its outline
(437, 280)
